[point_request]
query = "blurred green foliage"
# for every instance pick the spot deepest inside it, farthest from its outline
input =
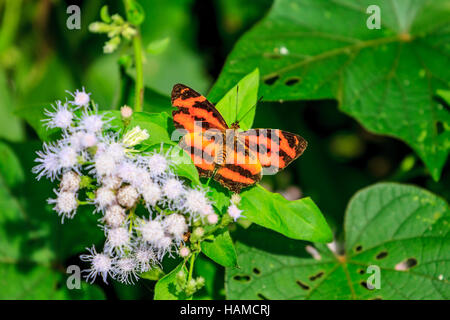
(40, 59)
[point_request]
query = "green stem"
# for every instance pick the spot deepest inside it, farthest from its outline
(191, 266)
(11, 20)
(139, 81)
(139, 85)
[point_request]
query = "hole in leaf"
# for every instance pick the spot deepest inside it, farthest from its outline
(270, 55)
(439, 127)
(256, 271)
(292, 81)
(358, 248)
(406, 264)
(361, 271)
(381, 255)
(242, 278)
(271, 80)
(364, 284)
(317, 276)
(302, 285)
(376, 298)
(262, 297)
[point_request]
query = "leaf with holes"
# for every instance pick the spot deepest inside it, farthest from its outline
(396, 247)
(385, 78)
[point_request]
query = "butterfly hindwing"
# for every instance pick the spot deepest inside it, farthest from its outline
(275, 148)
(240, 167)
(191, 107)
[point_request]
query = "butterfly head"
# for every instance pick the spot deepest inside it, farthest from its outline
(235, 125)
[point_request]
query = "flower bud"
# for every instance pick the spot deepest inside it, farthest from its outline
(135, 136)
(184, 252)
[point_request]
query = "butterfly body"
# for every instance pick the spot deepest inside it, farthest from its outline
(236, 159)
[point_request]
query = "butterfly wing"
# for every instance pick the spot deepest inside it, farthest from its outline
(203, 151)
(240, 168)
(194, 110)
(275, 148)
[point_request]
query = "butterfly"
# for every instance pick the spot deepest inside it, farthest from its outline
(236, 159)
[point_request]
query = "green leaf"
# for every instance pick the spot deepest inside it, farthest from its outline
(243, 107)
(445, 94)
(386, 225)
(158, 46)
(165, 288)
(153, 274)
(299, 219)
(221, 249)
(156, 125)
(104, 14)
(386, 79)
(11, 127)
(135, 12)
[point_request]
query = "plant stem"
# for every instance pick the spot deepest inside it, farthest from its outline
(191, 266)
(139, 81)
(139, 85)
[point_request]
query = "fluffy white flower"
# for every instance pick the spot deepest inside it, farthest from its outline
(145, 259)
(128, 171)
(173, 188)
(68, 157)
(197, 202)
(104, 165)
(111, 182)
(101, 264)
(175, 224)
(66, 204)
(125, 270)
(104, 197)
(127, 196)
(151, 193)
(151, 231)
(87, 139)
(118, 240)
(116, 151)
(163, 245)
(48, 162)
(91, 122)
(157, 165)
(80, 98)
(114, 216)
(70, 182)
(61, 117)
(234, 212)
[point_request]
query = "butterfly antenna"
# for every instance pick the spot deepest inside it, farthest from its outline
(237, 101)
(254, 106)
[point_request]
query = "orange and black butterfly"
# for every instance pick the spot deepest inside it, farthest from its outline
(236, 159)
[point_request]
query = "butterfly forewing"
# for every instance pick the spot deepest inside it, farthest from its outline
(194, 112)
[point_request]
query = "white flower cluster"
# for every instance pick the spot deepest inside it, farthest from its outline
(92, 161)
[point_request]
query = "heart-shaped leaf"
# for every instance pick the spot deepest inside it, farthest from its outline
(396, 247)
